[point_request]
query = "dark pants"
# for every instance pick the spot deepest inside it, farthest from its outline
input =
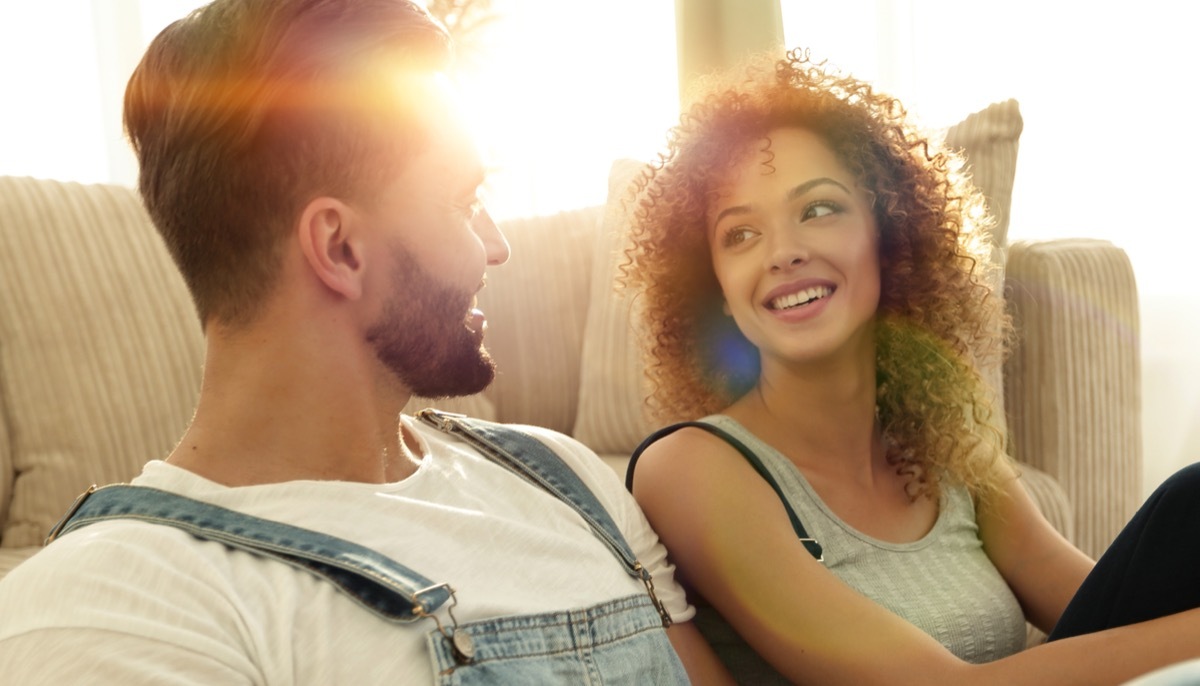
(1152, 568)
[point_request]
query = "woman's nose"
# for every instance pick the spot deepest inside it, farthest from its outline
(787, 253)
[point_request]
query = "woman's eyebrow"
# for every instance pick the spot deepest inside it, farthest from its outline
(794, 193)
(736, 209)
(809, 185)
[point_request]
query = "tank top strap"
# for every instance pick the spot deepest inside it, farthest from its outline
(810, 543)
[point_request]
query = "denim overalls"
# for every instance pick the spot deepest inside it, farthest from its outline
(617, 642)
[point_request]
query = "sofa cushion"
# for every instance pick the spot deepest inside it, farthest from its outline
(536, 305)
(100, 347)
(989, 138)
(612, 387)
(612, 390)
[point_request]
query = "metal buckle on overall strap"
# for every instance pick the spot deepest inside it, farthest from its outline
(54, 533)
(460, 642)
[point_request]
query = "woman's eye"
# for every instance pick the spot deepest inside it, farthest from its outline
(737, 236)
(818, 209)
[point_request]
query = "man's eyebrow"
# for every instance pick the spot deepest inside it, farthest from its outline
(473, 178)
(794, 193)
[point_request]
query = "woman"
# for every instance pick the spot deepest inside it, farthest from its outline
(813, 277)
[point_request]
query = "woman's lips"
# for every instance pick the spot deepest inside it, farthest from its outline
(801, 298)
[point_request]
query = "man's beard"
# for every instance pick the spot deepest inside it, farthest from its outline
(422, 336)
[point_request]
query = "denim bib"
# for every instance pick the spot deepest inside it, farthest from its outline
(619, 641)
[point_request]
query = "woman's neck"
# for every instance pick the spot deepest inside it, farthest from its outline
(820, 415)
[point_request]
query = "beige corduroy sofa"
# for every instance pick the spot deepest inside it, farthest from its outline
(101, 353)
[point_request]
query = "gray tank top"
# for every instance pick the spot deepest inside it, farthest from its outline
(944, 583)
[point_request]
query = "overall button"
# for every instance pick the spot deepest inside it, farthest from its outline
(464, 646)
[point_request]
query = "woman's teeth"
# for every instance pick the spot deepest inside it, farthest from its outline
(799, 298)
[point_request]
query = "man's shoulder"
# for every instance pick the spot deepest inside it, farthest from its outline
(100, 572)
(147, 592)
(582, 459)
(557, 440)
(113, 547)
(592, 470)
(573, 452)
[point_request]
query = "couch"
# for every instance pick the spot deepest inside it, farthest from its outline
(101, 352)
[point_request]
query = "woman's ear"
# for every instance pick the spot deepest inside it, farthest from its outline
(331, 247)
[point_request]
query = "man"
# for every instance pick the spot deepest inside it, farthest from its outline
(304, 164)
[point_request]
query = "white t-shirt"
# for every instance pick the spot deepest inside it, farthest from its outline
(130, 602)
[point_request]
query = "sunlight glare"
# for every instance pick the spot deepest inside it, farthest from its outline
(558, 91)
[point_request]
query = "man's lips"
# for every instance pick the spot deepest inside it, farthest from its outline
(475, 321)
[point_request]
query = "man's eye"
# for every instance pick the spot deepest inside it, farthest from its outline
(821, 208)
(471, 208)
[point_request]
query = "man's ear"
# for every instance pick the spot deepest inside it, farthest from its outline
(331, 246)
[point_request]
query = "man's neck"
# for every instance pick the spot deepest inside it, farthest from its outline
(278, 408)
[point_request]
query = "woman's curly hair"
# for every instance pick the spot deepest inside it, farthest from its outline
(938, 323)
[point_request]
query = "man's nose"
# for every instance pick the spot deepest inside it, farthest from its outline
(494, 243)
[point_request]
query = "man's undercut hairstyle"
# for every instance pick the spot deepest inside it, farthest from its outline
(245, 110)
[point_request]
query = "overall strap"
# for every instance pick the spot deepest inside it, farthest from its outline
(379, 583)
(537, 463)
(809, 542)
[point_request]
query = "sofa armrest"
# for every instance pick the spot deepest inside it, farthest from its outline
(1072, 384)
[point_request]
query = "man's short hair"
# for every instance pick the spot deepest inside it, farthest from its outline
(245, 110)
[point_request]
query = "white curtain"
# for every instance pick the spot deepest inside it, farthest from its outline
(1107, 151)
(716, 34)
(66, 64)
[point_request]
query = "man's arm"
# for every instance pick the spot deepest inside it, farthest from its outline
(49, 657)
(117, 608)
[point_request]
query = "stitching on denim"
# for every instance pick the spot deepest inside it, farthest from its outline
(282, 554)
(575, 618)
(577, 650)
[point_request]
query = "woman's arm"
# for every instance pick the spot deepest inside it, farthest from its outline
(703, 667)
(731, 540)
(1041, 567)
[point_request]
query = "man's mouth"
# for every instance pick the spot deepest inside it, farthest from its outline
(800, 298)
(475, 321)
